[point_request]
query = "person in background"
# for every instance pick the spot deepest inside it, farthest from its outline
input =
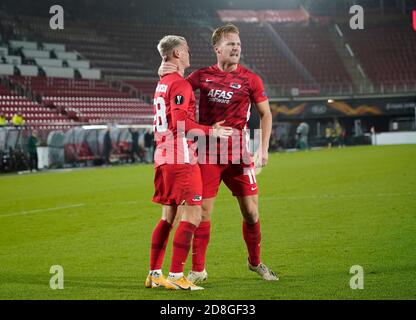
(107, 146)
(302, 132)
(343, 136)
(328, 135)
(148, 145)
(338, 132)
(3, 120)
(18, 120)
(32, 144)
(134, 144)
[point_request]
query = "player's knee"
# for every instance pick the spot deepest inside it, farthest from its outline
(251, 218)
(170, 216)
(205, 214)
(206, 210)
(193, 215)
(250, 212)
(196, 220)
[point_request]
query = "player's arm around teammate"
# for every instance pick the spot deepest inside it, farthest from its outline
(240, 179)
(178, 184)
(232, 104)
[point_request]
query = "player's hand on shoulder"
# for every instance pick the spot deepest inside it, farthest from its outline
(220, 131)
(166, 68)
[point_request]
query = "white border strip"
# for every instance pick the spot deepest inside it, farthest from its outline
(22, 213)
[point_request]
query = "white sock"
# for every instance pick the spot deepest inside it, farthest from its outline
(175, 276)
(156, 273)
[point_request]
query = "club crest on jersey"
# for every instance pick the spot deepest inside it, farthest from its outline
(179, 99)
(235, 85)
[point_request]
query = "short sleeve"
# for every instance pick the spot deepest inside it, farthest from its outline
(180, 95)
(257, 93)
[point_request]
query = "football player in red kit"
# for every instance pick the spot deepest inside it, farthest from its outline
(227, 90)
(178, 185)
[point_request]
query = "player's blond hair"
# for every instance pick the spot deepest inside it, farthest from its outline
(221, 31)
(168, 43)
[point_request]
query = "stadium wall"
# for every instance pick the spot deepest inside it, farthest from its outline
(359, 107)
(361, 118)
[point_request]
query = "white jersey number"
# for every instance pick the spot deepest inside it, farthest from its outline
(160, 120)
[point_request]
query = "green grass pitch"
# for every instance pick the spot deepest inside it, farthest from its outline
(321, 213)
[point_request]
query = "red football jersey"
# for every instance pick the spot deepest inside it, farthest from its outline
(174, 106)
(227, 96)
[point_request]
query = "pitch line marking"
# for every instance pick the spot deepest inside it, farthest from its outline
(333, 196)
(22, 213)
(329, 196)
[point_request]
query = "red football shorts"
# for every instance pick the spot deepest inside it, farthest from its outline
(177, 184)
(239, 178)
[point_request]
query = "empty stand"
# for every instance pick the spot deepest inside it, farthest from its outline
(146, 87)
(45, 86)
(258, 51)
(70, 102)
(33, 113)
(126, 51)
(386, 53)
(313, 47)
(103, 110)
